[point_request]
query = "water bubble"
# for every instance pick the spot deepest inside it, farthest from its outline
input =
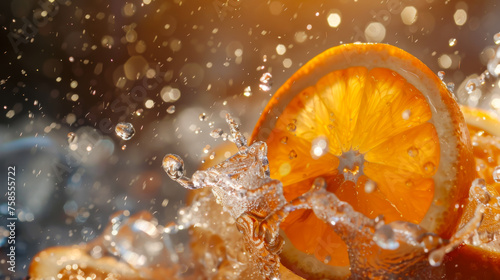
(441, 75)
(452, 42)
(125, 130)
(496, 174)
(171, 109)
(292, 154)
(203, 117)
(284, 140)
(216, 133)
(470, 86)
(173, 166)
(292, 126)
(412, 151)
(72, 138)
(124, 147)
(429, 167)
(370, 186)
(496, 38)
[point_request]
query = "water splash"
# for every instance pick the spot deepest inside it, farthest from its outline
(241, 184)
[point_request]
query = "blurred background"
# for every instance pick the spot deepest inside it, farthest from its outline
(71, 70)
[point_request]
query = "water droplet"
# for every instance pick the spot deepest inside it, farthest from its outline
(206, 149)
(216, 133)
(72, 138)
(406, 114)
(496, 174)
(171, 109)
(203, 117)
(292, 154)
(370, 186)
(327, 259)
(284, 140)
(496, 38)
(409, 184)
(265, 82)
(470, 86)
(429, 167)
(412, 151)
(436, 257)
(124, 147)
(125, 130)
(173, 166)
(441, 75)
(292, 126)
(450, 86)
(266, 77)
(452, 42)
(247, 92)
(385, 238)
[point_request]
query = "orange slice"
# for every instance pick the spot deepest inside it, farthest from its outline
(481, 261)
(384, 132)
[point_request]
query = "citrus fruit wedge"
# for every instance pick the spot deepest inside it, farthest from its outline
(481, 260)
(73, 262)
(386, 135)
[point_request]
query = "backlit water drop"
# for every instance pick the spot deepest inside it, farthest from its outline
(125, 130)
(496, 174)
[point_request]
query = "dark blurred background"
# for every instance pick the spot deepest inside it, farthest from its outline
(71, 70)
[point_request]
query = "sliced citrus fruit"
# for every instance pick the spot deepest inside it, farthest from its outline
(482, 260)
(384, 132)
(74, 262)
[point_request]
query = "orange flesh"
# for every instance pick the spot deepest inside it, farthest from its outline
(376, 125)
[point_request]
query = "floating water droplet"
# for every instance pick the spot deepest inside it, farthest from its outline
(173, 166)
(470, 86)
(265, 82)
(496, 38)
(441, 75)
(125, 130)
(203, 117)
(247, 92)
(452, 42)
(406, 114)
(429, 167)
(206, 149)
(496, 174)
(370, 186)
(412, 151)
(292, 154)
(72, 138)
(284, 140)
(450, 86)
(171, 109)
(216, 133)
